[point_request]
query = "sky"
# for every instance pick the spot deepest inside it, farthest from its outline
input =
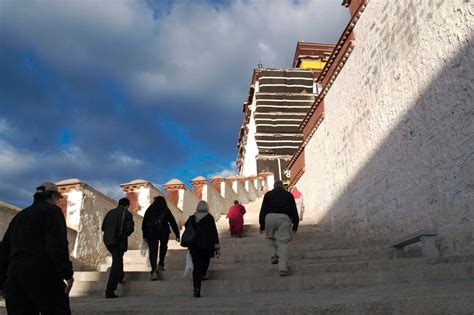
(109, 91)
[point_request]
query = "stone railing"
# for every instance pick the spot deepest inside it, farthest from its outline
(8, 211)
(84, 208)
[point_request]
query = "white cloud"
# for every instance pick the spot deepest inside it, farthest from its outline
(111, 189)
(12, 160)
(124, 159)
(4, 126)
(230, 171)
(195, 49)
(15, 161)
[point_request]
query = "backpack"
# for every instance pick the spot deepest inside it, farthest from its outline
(155, 226)
(189, 236)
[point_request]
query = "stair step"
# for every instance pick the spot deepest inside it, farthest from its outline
(433, 297)
(301, 278)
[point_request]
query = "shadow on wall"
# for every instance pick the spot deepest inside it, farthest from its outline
(422, 175)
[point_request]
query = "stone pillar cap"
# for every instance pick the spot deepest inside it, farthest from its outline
(199, 179)
(70, 181)
(174, 181)
(135, 182)
(217, 177)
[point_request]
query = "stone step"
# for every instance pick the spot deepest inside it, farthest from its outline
(411, 265)
(301, 277)
(178, 257)
(433, 297)
(221, 264)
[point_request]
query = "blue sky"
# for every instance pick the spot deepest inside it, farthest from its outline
(111, 91)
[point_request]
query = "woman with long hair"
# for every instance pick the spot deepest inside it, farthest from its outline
(156, 231)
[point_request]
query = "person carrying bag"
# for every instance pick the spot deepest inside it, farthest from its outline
(202, 240)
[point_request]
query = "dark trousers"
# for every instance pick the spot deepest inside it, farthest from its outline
(153, 248)
(201, 262)
(116, 270)
(35, 293)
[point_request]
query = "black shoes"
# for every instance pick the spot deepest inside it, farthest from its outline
(283, 273)
(197, 293)
(111, 296)
(161, 267)
(154, 275)
(274, 260)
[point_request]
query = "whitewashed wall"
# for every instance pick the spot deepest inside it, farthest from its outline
(188, 202)
(230, 194)
(8, 212)
(395, 152)
(242, 193)
(251, 189)
(217, 204)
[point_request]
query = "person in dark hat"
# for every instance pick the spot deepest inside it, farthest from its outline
(36, 273)
(117, 227)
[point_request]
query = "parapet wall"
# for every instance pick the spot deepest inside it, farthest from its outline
(84, 209)
(395, 152)
(8, 212)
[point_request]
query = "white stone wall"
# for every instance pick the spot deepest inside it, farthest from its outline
(145, 197)
(242, 193)
(217, 204)
(189, 203)
(251, 150)
(89, 249)
(395, 152)
(7, 212)
(252, 191)
(230, 194)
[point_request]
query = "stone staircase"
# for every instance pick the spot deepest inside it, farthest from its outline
(328, 275)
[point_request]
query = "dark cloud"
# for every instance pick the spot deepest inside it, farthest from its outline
(112, 91)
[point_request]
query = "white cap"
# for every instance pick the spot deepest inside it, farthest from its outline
(47, 186)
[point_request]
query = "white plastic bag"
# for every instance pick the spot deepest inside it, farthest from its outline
(189, 267)
(144, 248)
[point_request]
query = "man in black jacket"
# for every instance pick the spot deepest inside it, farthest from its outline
(117, 227)
(34, 258)
(278, 208)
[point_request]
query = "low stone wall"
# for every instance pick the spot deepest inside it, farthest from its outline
(252, 190)
(242, 193)
(8, 212)
(188, 202)
(229, 193)
(395, 152)
(217, 204)
(85, 209)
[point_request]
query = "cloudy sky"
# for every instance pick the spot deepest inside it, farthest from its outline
(114, 90)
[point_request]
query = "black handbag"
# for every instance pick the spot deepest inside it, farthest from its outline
(189, 236)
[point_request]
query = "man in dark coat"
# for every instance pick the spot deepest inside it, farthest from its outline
(35, 270)
(117, 227)
(277, 211)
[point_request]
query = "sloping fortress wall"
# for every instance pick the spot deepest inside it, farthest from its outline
(84, 209)
(395, 151)
(8, 211)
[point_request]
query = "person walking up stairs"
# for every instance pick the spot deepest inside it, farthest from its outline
(278, 210)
